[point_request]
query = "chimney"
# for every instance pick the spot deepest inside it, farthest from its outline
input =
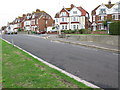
(24, 15)
(109, 2)
(72, 5)
(37, 10)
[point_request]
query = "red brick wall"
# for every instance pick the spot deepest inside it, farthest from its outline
(99, 32)
(87, 23)
(41, 23)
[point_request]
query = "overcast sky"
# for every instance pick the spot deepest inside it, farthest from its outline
(10, 9)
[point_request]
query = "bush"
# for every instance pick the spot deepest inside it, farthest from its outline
(19, 29)
(53, 28)
(114, 28)
(84, 31)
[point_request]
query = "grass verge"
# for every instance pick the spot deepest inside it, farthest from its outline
(21, 70)
(87, 34)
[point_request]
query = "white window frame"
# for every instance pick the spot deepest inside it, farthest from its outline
(66, 27)
(74, 27)
(63, 14)
(77, 26)
(63, 19)
(56, 20)
(101, 12)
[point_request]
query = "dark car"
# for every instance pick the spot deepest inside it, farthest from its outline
(41, 32)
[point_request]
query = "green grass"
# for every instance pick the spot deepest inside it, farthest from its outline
(0, 63)
(21, 70)
(87, 34)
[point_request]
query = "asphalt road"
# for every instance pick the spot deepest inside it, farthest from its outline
(99, 67)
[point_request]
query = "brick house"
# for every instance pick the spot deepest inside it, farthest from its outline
(72, 18)
(38, 21)
(105, 12)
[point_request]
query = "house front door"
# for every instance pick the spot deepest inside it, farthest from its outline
(94, 28)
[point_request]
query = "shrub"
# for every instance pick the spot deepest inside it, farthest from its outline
(19, 29)
(53, 28)
(114, 28)
(70, 31)
(84, 31)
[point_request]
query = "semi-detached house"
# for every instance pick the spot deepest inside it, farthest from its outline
(103, 12)
(72, 18)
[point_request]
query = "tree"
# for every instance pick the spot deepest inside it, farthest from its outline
(105, 24)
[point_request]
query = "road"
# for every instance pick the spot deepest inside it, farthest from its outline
(97, 66)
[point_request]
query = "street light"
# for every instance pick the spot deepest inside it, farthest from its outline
(58, 28)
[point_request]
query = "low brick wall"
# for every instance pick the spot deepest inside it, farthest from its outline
(99, 32)
(106, 39)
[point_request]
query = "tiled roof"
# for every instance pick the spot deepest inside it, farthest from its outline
(94, 11)
(57, 15)
(82, 10)
(68, 9)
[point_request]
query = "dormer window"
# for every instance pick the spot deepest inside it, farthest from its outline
(74, 12)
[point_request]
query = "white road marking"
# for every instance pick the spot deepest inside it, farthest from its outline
(116, 54)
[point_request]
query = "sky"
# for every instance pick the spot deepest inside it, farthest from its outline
(11, 9)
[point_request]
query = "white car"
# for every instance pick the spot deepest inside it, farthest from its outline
(15, 31)
(10, 32)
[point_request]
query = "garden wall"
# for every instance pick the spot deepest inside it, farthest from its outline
(106, 39)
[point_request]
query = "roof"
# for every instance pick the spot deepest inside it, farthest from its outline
(37, 14)
(57, 15)
(68, 9)
(84, 12)
(94, 11)
(109, 5)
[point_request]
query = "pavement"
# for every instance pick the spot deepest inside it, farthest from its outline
(96, 66)
(84, 43)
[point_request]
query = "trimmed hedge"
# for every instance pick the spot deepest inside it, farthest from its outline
(80, 31)
(114, 28)
(84, 31)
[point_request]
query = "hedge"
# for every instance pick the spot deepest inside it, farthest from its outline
(114, 28)
(80, 31)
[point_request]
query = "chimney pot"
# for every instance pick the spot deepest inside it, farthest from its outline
(72, 5)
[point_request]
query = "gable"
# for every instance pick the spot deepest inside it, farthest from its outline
(75, 12)
(102, 10)
(64, 12)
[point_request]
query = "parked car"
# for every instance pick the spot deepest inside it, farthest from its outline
(10, 32)
(15, 31)
(41, 32)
